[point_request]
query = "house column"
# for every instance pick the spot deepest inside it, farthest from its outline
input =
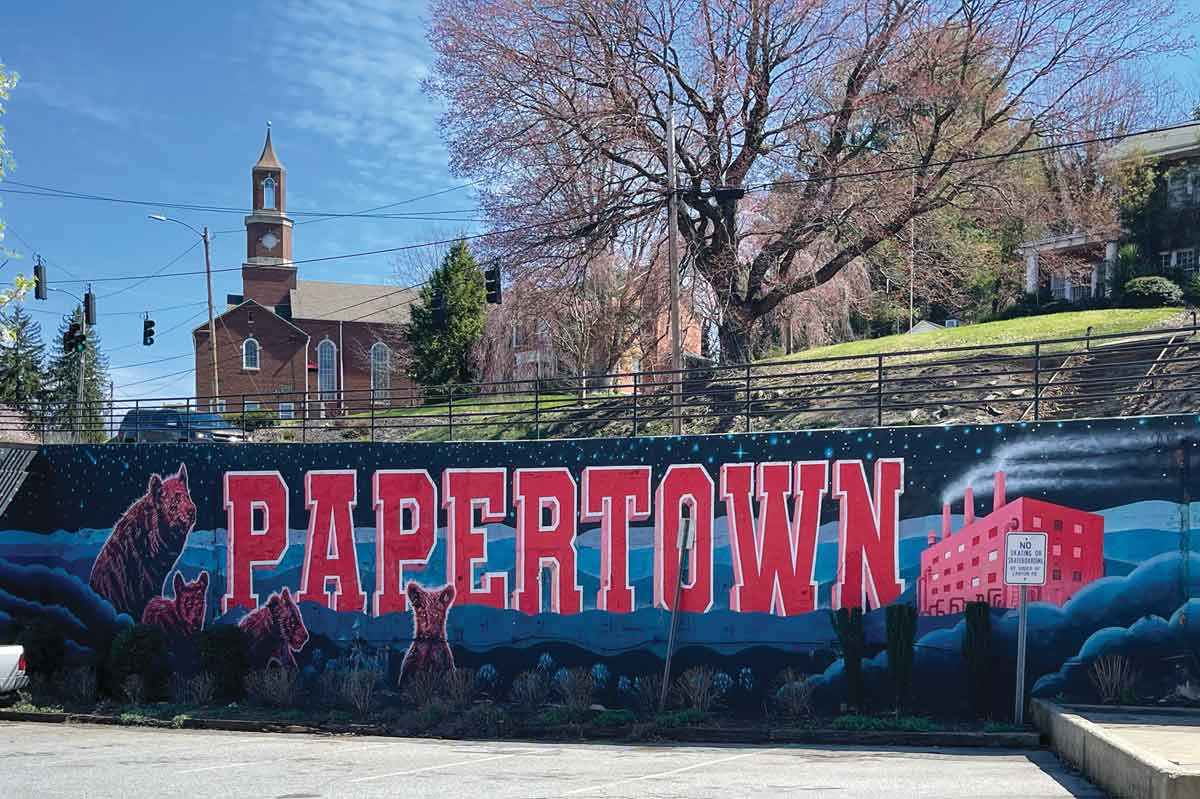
(1110, 258)
(1031, 272)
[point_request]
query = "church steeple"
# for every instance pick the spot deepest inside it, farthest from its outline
(268, 229)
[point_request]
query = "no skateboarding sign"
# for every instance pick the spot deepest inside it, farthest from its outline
(1025, 559)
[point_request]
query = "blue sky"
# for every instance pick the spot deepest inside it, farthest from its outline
(169, 102)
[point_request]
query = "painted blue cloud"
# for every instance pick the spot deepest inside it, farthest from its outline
(1155, 588)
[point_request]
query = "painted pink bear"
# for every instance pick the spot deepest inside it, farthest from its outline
(275, 631)
(146, 541)
(429, 651)
(183, 615)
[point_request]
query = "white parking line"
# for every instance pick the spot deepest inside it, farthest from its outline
(656, 775)
(439, 766)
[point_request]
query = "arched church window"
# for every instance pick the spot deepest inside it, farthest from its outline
(269, 193)
(250, 354)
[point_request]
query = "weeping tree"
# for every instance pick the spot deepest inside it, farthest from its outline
(845, 121)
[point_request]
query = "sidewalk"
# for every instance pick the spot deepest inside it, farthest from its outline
(1129, 751)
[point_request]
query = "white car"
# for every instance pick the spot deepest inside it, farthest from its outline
(12, 669)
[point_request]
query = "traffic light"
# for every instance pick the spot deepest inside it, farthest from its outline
(491, 281)
(89, 308)
(147, 332)
(74, 340)
(39, 279)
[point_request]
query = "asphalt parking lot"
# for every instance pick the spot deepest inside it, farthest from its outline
(50, 760)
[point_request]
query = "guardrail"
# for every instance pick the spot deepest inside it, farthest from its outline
(1107, 375)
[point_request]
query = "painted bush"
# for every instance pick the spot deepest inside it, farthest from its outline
(505, 554)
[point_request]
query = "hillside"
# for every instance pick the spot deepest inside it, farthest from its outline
(923, 381)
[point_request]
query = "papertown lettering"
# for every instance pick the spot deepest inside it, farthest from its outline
(773, 512)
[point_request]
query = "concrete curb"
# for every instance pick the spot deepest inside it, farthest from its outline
(1114, 764)
(712, 735)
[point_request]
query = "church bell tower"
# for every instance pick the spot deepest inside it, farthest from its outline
(268, 228)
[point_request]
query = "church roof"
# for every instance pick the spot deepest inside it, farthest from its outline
(268, 160)
(351, 302)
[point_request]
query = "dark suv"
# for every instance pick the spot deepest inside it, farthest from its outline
(150, 425)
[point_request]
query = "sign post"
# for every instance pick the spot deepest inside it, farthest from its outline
(1024, 565)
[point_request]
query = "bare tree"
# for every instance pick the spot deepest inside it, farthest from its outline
(824, 98)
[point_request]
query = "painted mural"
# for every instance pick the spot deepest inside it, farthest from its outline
(507, 554)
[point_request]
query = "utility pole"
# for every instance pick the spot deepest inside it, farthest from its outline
(82, 373)
(212, 327)
(673, 257)
(912, 252)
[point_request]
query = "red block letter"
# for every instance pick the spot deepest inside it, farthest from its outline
(868, 537)
(774, 556)
(251, 547)
(397, 546)
(329, 554)
(615, 496)
(540, 545)
(682, 486)
(464, 491)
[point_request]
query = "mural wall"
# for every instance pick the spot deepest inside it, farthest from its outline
(505, 553)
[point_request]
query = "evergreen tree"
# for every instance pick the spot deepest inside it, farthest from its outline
(443, 353)
(63, 385)
(21, 358)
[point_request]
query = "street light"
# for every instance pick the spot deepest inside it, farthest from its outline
(212, 327)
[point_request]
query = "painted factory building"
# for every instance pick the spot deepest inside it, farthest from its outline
(967, 565)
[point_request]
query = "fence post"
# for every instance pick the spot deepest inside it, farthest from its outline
(372, 418)
(537, 407)
(879, 390)
(1088, 338)
(450, 412)
(749, 424)
(635, 402)
(1037, 382)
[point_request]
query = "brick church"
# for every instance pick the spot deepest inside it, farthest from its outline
(299, 347)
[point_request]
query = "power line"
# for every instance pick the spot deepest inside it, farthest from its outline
(171, 329)
(158, 271)
(34, 250)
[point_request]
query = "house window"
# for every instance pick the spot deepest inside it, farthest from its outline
(975, 541)
(1037, 522)
(269, 193)
(1056, 549)
(250, 405)
(1058, 524)
(937, 576)
(946, 556)
(946, 572)
(960, 567)
(381, 370)
(962, 547)
(1056, 574)
(287, 410)
(1076, 552)
(327, 369)
(995, 553)
(974, 561)
(1078, 528)
(959, 585)
(992, 533)
(991, 578)
(974, 582)
(250, 354)
(217, 406)
(1077, 577)
(1164, 261)
(1186, 260)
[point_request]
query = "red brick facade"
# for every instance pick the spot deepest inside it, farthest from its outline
(269, 358)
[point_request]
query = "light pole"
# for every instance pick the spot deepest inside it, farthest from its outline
(212, 327)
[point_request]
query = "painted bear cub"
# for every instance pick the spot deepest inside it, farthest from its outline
(184, 614)
(429, 651)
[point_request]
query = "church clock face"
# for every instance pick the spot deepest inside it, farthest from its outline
(269, 240)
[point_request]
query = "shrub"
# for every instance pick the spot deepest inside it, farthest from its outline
(44, 648)
(134, 689)
(530, 689)
(905, 723)
(1191, 291)
(696, 689)
(644, 697)
(422, 688)
(901, 639)
(848, 624)
(614, 718)
(485, 721)
(977, 652)
(224, 653)
(793, 696)
(275, 686)
(253, 420)
(139, 651)
(78, 685)
(681, 718)
(358, 688)
(1150, 292)
(575, 687)
(1115, 677)
(198, 689)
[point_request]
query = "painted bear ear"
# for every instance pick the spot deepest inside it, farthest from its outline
(203, 580)
(415, 595)
(285, 594)
(446, 595)
(155, 485)
(182, 474)
(178, 583)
